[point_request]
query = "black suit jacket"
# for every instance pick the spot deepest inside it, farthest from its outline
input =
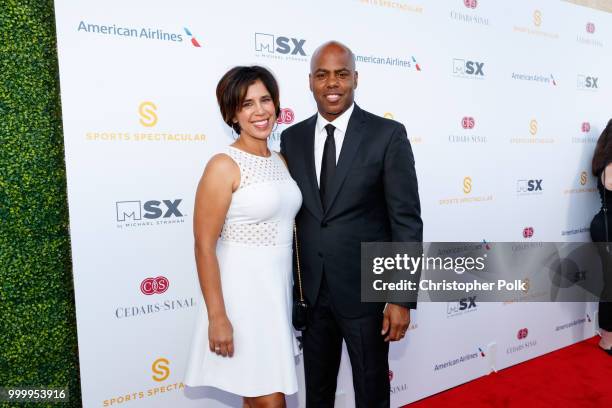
(374, 197)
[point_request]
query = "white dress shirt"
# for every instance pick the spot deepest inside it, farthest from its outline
(340, 123)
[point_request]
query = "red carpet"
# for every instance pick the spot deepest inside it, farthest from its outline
(576, 376)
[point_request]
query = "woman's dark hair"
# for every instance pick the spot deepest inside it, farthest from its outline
(603, 150)
(233, 86)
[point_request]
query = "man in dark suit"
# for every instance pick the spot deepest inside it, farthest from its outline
(358, 181)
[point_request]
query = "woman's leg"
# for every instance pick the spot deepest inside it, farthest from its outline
(605, 315)
(276, 400)
(605, 325)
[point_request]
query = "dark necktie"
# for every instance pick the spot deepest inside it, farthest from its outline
(328, 164)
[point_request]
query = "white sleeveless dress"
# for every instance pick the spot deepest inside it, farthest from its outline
(255, 261)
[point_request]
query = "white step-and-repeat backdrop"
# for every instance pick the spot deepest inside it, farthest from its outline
(503, 103)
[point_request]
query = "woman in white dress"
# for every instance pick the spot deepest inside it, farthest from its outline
(245, 205)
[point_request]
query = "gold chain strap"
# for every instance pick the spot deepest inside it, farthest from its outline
(297, 258)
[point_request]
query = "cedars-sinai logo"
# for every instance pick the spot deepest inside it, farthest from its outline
(468, 122)
(468, 14)
(585, 127)
(285, 117)
(152, 286)
(522, 334)
(527, 232)
(590, 28)
(586, 137)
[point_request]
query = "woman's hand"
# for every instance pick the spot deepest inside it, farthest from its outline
(221, 336)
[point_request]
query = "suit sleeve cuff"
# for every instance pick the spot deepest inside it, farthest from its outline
(407, 305)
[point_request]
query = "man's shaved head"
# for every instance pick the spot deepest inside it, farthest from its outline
(331, 45)
(333, 78)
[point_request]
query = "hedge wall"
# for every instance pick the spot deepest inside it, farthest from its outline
(37, 318)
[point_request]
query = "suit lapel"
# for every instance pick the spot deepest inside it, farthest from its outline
(350, 145)
(314, 198)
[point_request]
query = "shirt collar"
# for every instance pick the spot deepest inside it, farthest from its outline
(340, 123)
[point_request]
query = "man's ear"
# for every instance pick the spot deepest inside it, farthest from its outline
(310, 82)
(356, 78)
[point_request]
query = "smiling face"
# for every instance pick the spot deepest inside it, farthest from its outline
(333, 80)
(256, 115)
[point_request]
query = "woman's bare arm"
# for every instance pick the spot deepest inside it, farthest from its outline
(213, 197)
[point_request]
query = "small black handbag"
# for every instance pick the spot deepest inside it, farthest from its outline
(605, 209)
(299, 315)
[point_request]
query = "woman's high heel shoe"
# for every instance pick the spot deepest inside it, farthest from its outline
(606, 341)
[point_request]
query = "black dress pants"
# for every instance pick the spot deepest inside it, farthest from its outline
(598, 234)
(605, 316)
(366, 347)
